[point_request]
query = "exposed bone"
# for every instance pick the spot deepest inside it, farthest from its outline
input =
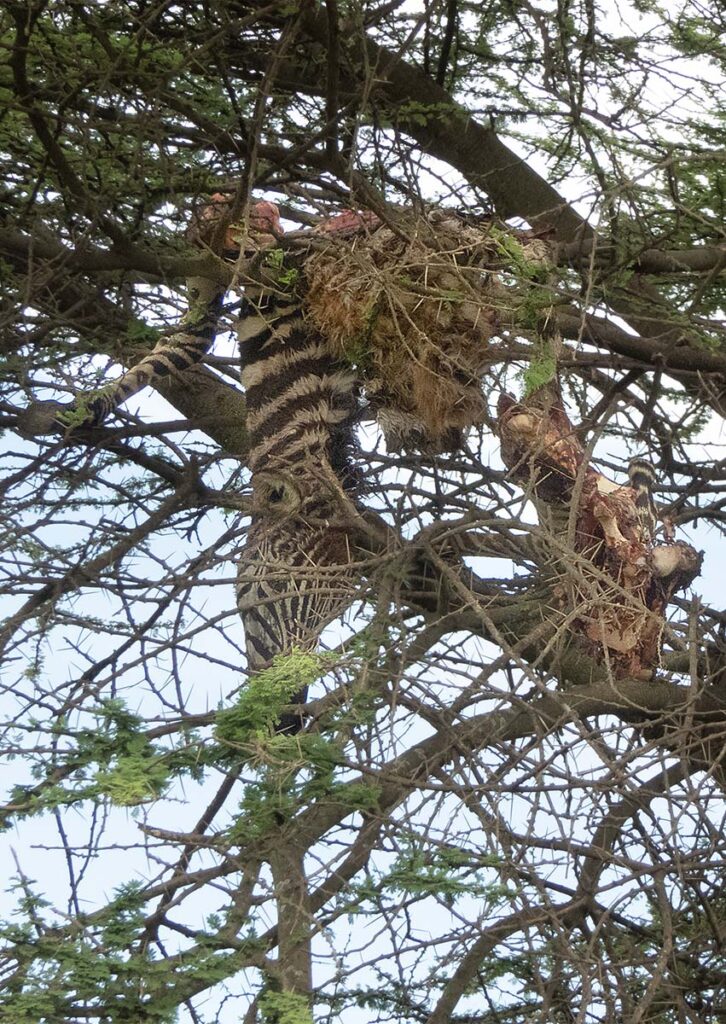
(622, 583)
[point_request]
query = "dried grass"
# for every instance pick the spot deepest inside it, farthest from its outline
(415, 315)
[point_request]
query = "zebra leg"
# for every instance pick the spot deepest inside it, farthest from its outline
(173, 354)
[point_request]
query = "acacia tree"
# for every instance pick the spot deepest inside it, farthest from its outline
(490, 814)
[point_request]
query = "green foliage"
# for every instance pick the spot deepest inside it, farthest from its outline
(274, 259)
(284, 1008)
(359, 796)
(420, 114)
(696, 35)
(518, 260)
(80, 412)
(264, 807)
(133, 771)
(147, 108)
(88, 964)
(100, 963)
(141, 333)
(260, 704)
(286, 277)
(130, 769)
(533, 308)
(541, 370)
(134, 778)
(298, 771)
(448, 872)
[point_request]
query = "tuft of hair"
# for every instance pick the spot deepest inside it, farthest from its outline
(642, 477)
(641, 474)
(414, 312)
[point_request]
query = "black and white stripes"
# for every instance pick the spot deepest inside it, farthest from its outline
(642, 478)
(172, 355)
(295, 573)
(299, 400)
